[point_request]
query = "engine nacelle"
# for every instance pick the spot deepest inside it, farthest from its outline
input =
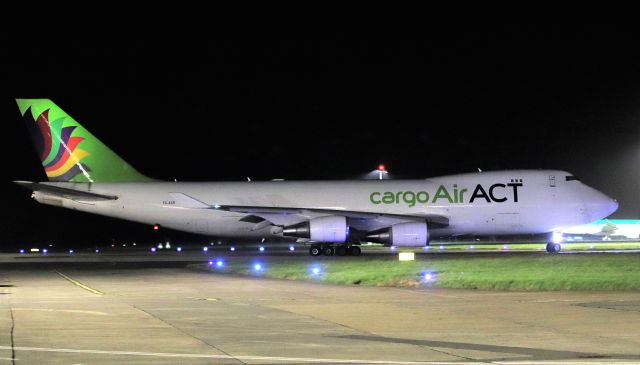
(402, 234)
(323, 229)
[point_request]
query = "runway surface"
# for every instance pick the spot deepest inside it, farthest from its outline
(140, 311)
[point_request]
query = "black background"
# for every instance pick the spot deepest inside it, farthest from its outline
(441, 102)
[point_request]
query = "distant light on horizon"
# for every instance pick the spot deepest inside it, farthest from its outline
(261, 249)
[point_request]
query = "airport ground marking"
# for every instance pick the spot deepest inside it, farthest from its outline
(241, 357)
(311, 360)
(77, 283)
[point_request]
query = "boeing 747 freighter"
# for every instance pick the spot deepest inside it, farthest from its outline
(331, 216)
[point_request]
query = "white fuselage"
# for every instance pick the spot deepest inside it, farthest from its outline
(487, 203)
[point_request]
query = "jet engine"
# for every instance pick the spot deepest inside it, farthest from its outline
(332, 229)
(402, 234)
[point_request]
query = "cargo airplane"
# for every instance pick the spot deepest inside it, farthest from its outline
(330, 216)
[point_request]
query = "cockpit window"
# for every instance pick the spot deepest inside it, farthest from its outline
(571, 178)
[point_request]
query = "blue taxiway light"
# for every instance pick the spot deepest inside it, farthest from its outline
(179, 249)
(257, 267)
(153, 249)
(427, 277)
(261, 249)
(219, 263)
(291, 248)
(45, 250)
(205, 249)
(232, 249)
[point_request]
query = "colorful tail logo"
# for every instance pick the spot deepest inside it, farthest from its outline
(68, 151)
(58, 147)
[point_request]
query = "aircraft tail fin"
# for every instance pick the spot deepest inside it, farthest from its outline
(68, 151)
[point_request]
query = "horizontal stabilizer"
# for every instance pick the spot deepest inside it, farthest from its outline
(65, 192)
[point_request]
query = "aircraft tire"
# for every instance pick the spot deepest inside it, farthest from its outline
(553, 247)
(315, 250)
(328, 251)
(355, 251)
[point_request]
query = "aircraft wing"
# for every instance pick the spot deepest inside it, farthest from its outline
(65, 192)
(282, 216)
(365, 221)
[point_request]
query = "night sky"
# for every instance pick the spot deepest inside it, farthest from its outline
(444, 102)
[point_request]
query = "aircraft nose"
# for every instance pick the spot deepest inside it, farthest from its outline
(602, 206)
(612, 206)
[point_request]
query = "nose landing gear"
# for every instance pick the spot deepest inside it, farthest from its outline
(553, 247)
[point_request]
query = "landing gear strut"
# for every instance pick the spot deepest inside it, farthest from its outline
(553, 247)
(329, 250)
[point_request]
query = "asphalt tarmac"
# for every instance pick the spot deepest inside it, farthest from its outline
(150, 309)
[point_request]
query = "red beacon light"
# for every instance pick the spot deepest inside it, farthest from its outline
(156, 227)
(381, 167)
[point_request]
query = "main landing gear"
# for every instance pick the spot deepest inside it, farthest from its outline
(328, 250)
(553, 247)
